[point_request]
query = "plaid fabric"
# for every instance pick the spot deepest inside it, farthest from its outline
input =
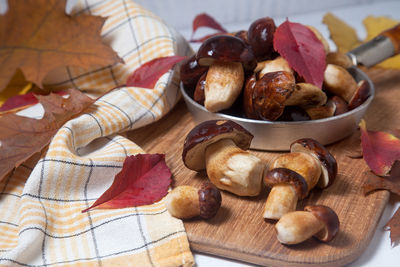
(41, 223)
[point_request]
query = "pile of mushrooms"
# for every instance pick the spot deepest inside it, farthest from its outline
(221, 148)
(243, 69)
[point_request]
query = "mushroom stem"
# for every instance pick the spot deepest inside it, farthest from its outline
(233, 169)
(224, 82)
(281, 200)
(297, 226)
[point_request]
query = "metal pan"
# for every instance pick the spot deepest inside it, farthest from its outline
(277, 135)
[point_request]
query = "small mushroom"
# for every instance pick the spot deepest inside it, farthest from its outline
(277, 64)
(267, 96)
(340, 59)
(186, 201)
(227, 57)
(361, 94)
(260, 36)
(321, 112)
(341, 106)
(191, 71)
(219, 146)
(306, 95)
(283, 199)
(328, 162)
(316, 220)
(338, 81)
(198, 95)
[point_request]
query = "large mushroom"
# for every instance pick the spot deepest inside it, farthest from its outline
(284, 195)
(219, 146)
(316, 220)
(228, 57)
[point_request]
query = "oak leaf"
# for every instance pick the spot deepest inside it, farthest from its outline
(143, 180)
(37, 36)
(21, 137)
(302, 50)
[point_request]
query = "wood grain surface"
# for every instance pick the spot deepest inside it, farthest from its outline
(239, 230)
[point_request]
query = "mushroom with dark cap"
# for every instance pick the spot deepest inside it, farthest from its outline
(227, 57)
(316, 220)
(328, 162)
(191, 71)
(219, 147)
(186, 202)
(260, 36)
(284, 196)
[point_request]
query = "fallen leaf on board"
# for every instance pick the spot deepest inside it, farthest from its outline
(143, 180)
(390, 183)
(21, 137)
(393, 226)
(302, 50)
(380, 149)
(147, 75)
(344, 36)
(376, 25)
(38, 36)
(205, 20)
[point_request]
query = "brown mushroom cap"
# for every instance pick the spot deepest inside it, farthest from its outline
(209, 200)
(329, 218)
(209, 132)
(226, 48)
(248, 96)
(287, 176)
(328, 162)
(360, 95)
(270, 94)
(199, 95)
(191, 71)
(340, 104)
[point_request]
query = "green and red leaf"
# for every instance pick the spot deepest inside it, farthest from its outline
(302, 50)
(143, 180)
(380, 149)
(148, 74)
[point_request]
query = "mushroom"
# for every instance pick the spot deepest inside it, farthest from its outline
(191, 71)
(338, 81)
(198, 95)
(186, 202)
(340, 59)
(283, 196)
(327, 160)
(219, 147)
(306, 95)
(361, 94)
(227, 57)
(321, 112)
(316, 220)
(260, 36)
(277, 64)
(267, 96)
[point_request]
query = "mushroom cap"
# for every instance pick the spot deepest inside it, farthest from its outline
(191, 71)
(321, 112)
(340, 104)
(209, 200)
(329, 218)
(248, 107)
(328, 162)
(270, 94)
(209, 132)
(360, 95)
(287, 176)
(226, 48)
(260, 36)
(199, 95)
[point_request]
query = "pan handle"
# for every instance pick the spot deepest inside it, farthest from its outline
(385, 45)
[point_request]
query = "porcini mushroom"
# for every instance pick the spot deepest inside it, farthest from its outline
(316, 220)
(227, 57)
(191, 71)
(306, 95)
(277, 64)
(361, 94)
(186, 202)
(283, 196)
(328, 162)
(260, 36)
(339, 81)
(219, 146)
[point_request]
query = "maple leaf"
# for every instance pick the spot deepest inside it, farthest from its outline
(36, 36)
(344, 36)
(147, 75)
(205, 20)
(302, 50)
(143, 180)
(17, 132)
(380, 150)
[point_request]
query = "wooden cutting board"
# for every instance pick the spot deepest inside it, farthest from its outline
(239, 230)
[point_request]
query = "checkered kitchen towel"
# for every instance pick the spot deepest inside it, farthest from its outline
(41, 223)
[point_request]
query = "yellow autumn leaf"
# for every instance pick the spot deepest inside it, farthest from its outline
(376, 25)
(344, 36)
